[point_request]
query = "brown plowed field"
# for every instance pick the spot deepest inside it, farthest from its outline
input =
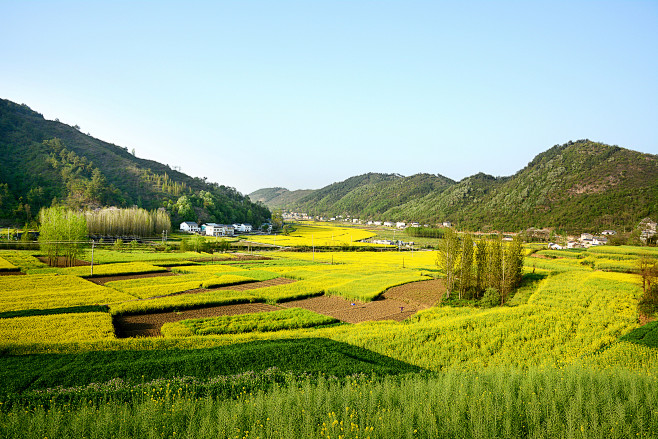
(102, 280)
(427, 292)
(148, 325)
(61, 261)
(397, 303)
(254, 285)
(11, 273)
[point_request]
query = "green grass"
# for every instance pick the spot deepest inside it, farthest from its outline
(646, 335)
(307, 355)
(292, 318)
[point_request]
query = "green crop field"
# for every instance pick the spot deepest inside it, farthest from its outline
(291, 318)
(567, 356)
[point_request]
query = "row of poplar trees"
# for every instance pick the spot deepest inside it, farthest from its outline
(471, 268)
(134, 221)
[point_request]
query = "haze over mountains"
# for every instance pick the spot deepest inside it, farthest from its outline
(578, 186)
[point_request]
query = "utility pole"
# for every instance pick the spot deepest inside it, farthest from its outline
(92, 257)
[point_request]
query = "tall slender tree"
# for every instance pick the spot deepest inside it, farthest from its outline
(466, 266)
(448, 259)
(481, 267)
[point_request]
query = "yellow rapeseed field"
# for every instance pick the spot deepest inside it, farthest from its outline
(56, 328)
(53, 291)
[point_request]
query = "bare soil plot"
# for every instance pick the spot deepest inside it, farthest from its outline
(16, 272)
(254, 285)
(427, 292)
(148, 325)
(61, 262)
(102, 280)
(397, 303)
(355, 311)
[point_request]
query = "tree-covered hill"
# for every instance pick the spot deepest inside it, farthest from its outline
(578, 186)
(46, 162)
(278, 197)
(371, 194)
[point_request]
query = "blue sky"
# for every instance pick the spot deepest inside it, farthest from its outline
(301, 94)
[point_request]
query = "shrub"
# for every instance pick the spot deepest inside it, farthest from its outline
(491, 298)
(648, 304)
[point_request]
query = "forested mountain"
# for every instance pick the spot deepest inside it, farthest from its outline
(578, 186)
(46, 162)
(372, 194)
(278, 197)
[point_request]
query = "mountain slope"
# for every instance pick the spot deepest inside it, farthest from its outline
(578, 186)
(45, 161)
(278, 197)
(371, 194)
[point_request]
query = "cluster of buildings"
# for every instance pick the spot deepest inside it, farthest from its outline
(399, 224)
(648, 229)
(585, 240)
(214, 229)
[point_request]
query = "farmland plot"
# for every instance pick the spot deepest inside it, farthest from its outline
(49, 291)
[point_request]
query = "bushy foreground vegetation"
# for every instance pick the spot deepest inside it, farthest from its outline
(538, 404)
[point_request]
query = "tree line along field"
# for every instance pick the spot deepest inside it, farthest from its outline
(565, 357)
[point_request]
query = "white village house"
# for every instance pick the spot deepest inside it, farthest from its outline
(400, 225)
(189, 227)
(243, 228)
(213, 229)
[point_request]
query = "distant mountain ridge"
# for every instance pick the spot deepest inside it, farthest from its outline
(46, 162)
(278, 197)
(578, 186)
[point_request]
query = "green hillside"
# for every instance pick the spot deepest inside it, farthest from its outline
(278, 197)
(47, 162)
(371, 194)
(578, 186)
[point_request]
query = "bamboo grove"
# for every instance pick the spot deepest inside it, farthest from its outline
(490, 265)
